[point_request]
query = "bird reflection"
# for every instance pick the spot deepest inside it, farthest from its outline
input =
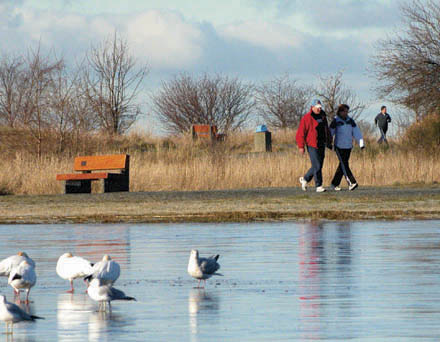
(72, 316)
(200, 303)
(19, 338)
(101, 323)
(98, 324)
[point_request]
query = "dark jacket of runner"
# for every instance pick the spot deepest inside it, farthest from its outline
(382, 120)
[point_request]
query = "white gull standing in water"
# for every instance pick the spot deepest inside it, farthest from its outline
(202, 268)
(6, 265)
(11, 313)
(106, 270)
(104, 294)
(22, 277)
(71, 267)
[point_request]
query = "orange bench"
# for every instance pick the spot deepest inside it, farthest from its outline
(205, 132)
(82, 182)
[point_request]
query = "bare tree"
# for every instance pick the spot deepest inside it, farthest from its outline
(332, 91)
(215, 100)
(83, 120)
(282, 101)
(65, 94)
(408, 63)
(12, 90)
(403, 118)
(113, 84)
(38, 84)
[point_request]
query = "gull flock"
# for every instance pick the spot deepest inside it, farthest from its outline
(99, 279)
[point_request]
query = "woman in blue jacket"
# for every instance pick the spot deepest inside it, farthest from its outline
(344, 129)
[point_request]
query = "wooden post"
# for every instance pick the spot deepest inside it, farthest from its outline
(263, 142)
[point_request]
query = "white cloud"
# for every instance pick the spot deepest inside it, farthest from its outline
(9, 14)
(162, 38)
(268, 35)
(331, 15)
(166, 39)
(101, 26)
(171, 43)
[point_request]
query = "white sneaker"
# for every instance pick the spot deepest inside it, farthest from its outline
(336, 188)
(353, 186)
(303, 183)
(320, 189)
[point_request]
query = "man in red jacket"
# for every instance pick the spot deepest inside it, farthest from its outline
(313, 133)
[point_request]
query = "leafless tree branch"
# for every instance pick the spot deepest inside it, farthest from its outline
(215, 100)
(282, 101)
(332, 91)
(112, 85)
(407, 65)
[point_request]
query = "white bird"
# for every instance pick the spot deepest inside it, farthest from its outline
(22, 277)
(11, 313)
(104, 294)
(202, 268)
(106, 270)
(6, 265)
(70, 267)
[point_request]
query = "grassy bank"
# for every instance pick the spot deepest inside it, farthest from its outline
(269, 204)
(179, 164)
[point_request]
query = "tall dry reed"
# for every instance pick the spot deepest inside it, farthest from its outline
(181, 164)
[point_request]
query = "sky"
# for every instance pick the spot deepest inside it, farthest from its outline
(254, 40)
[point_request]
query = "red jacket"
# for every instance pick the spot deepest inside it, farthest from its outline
(307, 134)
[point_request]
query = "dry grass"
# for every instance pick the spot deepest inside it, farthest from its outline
(179, 164)
(281, 169)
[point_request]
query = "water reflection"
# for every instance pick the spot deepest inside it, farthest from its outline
(344, 277)
(325, 274)
(92, 245)
(98, 326)
(86, 241)
(106, 326)
(19, 338)
(310, 252)
(72, 316)
(201, 306)
(306, 282)
(78, 320)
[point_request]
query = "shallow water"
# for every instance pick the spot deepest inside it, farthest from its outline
(362, 281)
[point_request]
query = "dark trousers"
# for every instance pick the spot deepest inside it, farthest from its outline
(317, 156)
(383, 136)
(344, 156)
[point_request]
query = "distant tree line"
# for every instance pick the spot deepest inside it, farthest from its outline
(39, 93)
(229, 103)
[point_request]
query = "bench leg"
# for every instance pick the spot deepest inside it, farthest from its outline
(114, 184)
(78, 187)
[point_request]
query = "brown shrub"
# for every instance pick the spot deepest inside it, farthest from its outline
(424, 134)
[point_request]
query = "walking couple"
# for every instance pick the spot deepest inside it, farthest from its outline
(315, 134)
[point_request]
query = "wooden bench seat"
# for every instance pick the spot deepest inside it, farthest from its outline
(80, 176)
(207, 132)
(81, 182)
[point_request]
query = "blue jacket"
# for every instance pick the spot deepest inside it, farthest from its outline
(344, 131)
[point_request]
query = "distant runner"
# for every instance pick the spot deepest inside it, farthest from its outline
(381, 121)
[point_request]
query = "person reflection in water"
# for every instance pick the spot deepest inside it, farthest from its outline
(319, 255)
(311, 258)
